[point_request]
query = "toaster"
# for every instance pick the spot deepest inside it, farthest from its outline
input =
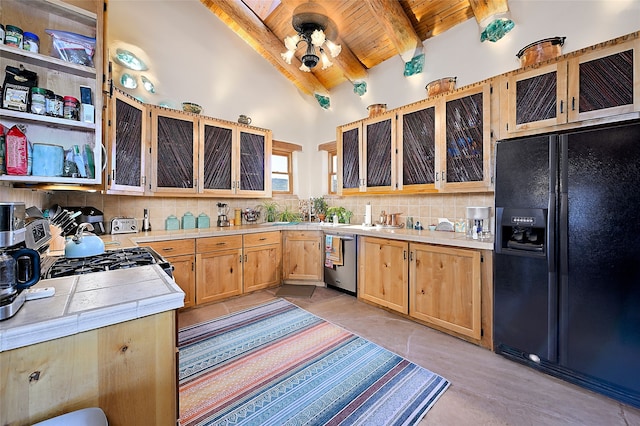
(124, 225)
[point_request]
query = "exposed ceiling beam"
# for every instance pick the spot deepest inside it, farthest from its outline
(236, 15)
(397, 26)
(482, 9)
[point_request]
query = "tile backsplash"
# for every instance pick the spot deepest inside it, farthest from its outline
(426, 208)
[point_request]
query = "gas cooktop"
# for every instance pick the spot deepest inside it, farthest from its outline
(108, 261)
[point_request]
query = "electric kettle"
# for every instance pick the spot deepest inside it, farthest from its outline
(15, 275)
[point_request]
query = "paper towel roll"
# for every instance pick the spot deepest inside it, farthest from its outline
(367, 214)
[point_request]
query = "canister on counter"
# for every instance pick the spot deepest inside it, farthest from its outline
(30, 42)
(71, 108)
(38, 101)
(13, 36)
(237, 217)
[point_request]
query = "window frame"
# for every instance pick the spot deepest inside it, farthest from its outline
(331, 154)
(284, 149)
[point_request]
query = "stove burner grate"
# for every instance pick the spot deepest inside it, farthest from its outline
(111, 260)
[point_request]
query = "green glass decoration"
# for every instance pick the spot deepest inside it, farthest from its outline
(130, 60)
(414, 66)
(324, 101)
(497, 29)
(148, 85)
(360, 88)
(128, 81)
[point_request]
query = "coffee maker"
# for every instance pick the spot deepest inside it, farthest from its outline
(19, 266)
(223, 211)
(478, 223)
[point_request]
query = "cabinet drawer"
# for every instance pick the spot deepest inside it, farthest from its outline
(207, 244)
(173, 247)
(262, 238)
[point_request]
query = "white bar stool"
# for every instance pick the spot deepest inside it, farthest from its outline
(86, 417)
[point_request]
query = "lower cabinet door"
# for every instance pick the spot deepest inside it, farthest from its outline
(218, 275)
(302, 257)
(262, 265)
(445, 288)
(184, 275)
(383, 273)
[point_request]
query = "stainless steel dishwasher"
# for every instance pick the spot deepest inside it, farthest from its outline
(343, 277)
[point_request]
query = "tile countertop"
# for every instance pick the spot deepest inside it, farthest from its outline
(454, 239)
(90, 301)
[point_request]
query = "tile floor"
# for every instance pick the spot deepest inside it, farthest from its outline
(486, 389)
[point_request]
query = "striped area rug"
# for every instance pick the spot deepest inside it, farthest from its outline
(277, 364)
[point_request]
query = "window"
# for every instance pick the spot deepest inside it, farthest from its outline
(333, 172)
(281, 172)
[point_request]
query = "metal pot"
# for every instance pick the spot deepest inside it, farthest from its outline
(540, 51)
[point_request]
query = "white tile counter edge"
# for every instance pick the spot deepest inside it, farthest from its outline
(17, 332)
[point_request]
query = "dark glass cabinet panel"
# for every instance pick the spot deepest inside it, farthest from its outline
(606, 82)
(378, 147)
(351, 158)
(464, 137)
(127, 163)
(536, 98)
(218, 144)
(252, 157)
(175, 153)
(418, 152)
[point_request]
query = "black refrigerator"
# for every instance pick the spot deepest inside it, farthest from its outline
(567, 256)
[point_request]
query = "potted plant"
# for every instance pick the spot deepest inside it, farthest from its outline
(320, 208)
(287, 215)
(269, 210)
(344, 215)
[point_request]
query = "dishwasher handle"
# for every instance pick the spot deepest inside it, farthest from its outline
(342, 237)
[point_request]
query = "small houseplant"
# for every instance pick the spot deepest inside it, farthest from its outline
(344, 215)
(320, 208)
(269, 210)
(287, 215)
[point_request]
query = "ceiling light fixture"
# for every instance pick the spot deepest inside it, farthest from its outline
(314, 28)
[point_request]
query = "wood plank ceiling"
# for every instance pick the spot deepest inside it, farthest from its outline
(369, 31)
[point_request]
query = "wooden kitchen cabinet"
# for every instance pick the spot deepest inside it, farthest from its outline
(303, 256)
(181, 254)
(61, 77)
(383, 272)
(465, 147)
(445, 288)
(174, 156)
(126, 369)
(192, 154)
(417, 148)
(218, 268)
(234, 159)
(436, 145)
(127, 133)
(373, 158)
(591, 84)
(262, 260)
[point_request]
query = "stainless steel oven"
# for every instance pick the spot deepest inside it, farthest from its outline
(341, 274)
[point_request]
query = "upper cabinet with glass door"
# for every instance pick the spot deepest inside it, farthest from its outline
(174, 156)
(366, 149)
(594, 83)
(417, 147)
(234, 159)
(126, 140)
(464, 160)
(63, 77)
